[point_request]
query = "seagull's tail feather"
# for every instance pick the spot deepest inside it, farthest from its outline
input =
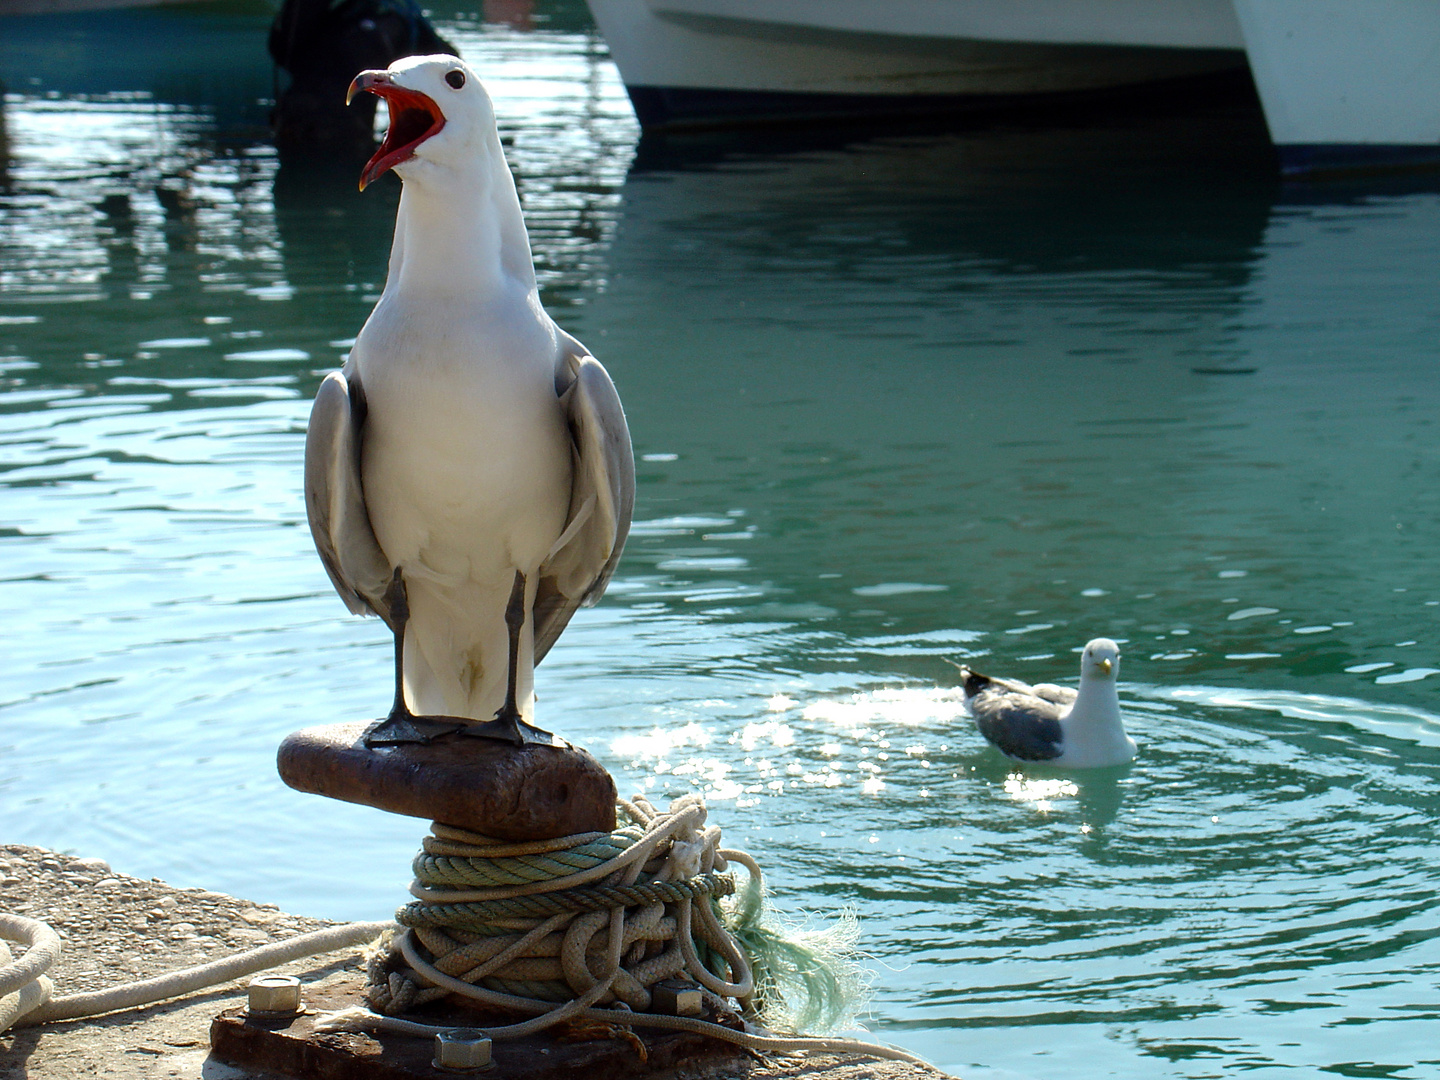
(971, 679)
(974, 682)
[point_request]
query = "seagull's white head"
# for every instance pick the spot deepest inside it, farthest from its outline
(1101, 659)
(440, 114)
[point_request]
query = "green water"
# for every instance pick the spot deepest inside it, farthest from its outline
(897, 400)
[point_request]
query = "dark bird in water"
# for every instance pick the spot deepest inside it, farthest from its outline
(1078, 729)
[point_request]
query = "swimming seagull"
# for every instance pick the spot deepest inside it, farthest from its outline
(468, 473)
(1055, 724)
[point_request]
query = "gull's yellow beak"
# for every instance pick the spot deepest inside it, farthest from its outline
(1105, 666)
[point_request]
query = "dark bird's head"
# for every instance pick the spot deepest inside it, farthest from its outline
(440, 116)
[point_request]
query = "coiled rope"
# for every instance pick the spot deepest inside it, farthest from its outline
(24, 986)
(588, 919)
(557, 930)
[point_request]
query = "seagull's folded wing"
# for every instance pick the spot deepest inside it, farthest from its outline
(1060, 695)
(1021, 725)
(602, 496)
(335, 500)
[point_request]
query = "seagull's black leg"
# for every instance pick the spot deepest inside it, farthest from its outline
(403, 726)
(507, 725)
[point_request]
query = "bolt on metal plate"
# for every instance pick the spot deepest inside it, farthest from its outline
(676, 998)
(462, 1049)
(274, 996)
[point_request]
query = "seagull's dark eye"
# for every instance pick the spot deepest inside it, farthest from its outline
(456, 78)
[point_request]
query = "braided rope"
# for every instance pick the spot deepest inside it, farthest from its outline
(582, 920)
(594, 898)
(442, 863)
(356, 1019)
(32, 1007)
(24, 986)
(605, 944)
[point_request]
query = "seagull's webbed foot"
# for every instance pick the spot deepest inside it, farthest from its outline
(397, 729)
(403, 727)
(508, 725)
(510, 729)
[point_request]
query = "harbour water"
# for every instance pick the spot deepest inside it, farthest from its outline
(898, 399)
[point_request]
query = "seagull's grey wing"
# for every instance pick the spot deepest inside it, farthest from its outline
(602, 495)
(335, 501)
(1060, 695)
(1020, 725)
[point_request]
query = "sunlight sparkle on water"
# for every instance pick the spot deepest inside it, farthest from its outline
(1039, 791)
(778, 734)
(907, 706)
(660, 742)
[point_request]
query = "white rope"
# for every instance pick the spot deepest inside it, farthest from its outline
(642, 881)
(24, 986)
(675, 845)
(173, 984)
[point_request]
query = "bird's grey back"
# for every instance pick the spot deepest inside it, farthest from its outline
(1014, 717)
(1018, 731)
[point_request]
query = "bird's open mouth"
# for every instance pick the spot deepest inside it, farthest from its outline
(414, 117)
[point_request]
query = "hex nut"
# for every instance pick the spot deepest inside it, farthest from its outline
(275, 995)
(460, 1049)
(677, 998)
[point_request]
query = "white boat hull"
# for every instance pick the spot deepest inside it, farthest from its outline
(1347, 83)
(683, 66)
(1342, 82)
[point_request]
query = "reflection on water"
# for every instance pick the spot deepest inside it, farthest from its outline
(897, 399)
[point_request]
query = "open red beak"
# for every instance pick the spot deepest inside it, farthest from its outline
(414, 117)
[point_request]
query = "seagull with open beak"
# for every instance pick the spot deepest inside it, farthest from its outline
(468, 473)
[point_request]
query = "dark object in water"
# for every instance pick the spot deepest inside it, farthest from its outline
(322, 44)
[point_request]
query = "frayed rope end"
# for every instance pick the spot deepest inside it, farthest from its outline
(806, 980)
(351, 1019)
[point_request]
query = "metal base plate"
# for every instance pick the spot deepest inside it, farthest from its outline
(295, 1049)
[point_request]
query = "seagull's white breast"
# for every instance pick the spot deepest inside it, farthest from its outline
(465, 460)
